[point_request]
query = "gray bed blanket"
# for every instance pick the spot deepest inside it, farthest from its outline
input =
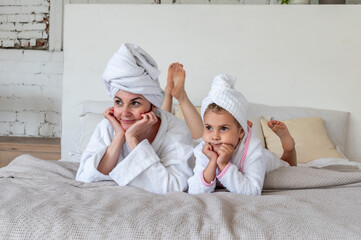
(41, 200)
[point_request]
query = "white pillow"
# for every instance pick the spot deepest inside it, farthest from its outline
(94, 107)
(88, 123)
(90, 114)
(336, 122)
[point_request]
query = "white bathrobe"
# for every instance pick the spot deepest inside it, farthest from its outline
(159, 167)
(246, 178)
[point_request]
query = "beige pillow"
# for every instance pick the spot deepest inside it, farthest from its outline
(310, 136)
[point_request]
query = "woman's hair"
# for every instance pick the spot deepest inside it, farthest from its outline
(215, 108)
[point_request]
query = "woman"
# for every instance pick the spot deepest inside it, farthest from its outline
(137, 144)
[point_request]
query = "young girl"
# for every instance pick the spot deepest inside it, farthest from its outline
(230, 155)
(137, 144)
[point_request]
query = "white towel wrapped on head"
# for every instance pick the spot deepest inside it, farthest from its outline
(224, 95)
(133, 70)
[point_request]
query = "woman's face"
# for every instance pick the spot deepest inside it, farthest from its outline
(128, 108)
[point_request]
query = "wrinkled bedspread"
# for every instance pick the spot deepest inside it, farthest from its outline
(41, 200)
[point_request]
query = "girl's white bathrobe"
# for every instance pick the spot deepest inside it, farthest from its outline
(245, 172)
(159, 167)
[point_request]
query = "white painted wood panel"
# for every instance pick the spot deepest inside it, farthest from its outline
(282, 55)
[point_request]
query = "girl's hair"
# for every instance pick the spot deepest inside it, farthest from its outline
(215, 108)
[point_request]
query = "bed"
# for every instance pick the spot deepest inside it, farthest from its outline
(41, 200)
(319, 199)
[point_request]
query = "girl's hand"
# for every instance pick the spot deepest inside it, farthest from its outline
(109, 114)
(225, 153)
(133, 134)
(209, 172)
(208, 151)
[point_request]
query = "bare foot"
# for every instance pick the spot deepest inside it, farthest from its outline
(170, 82)
(288, 143)
(281, 130)
(179, 76)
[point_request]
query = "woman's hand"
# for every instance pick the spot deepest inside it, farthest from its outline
(111, 155)
(109, 114)
(225, 153)
(133, 135)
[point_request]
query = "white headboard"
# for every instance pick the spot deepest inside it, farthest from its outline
(282, 55)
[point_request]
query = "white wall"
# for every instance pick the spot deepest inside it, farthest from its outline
(300, 55)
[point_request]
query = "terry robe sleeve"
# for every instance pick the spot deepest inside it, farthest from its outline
(93, 153)
(159, 167)
(196, 183)
(250, 180)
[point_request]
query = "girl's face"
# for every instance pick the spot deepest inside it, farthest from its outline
(221, 128)
(128, 108)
